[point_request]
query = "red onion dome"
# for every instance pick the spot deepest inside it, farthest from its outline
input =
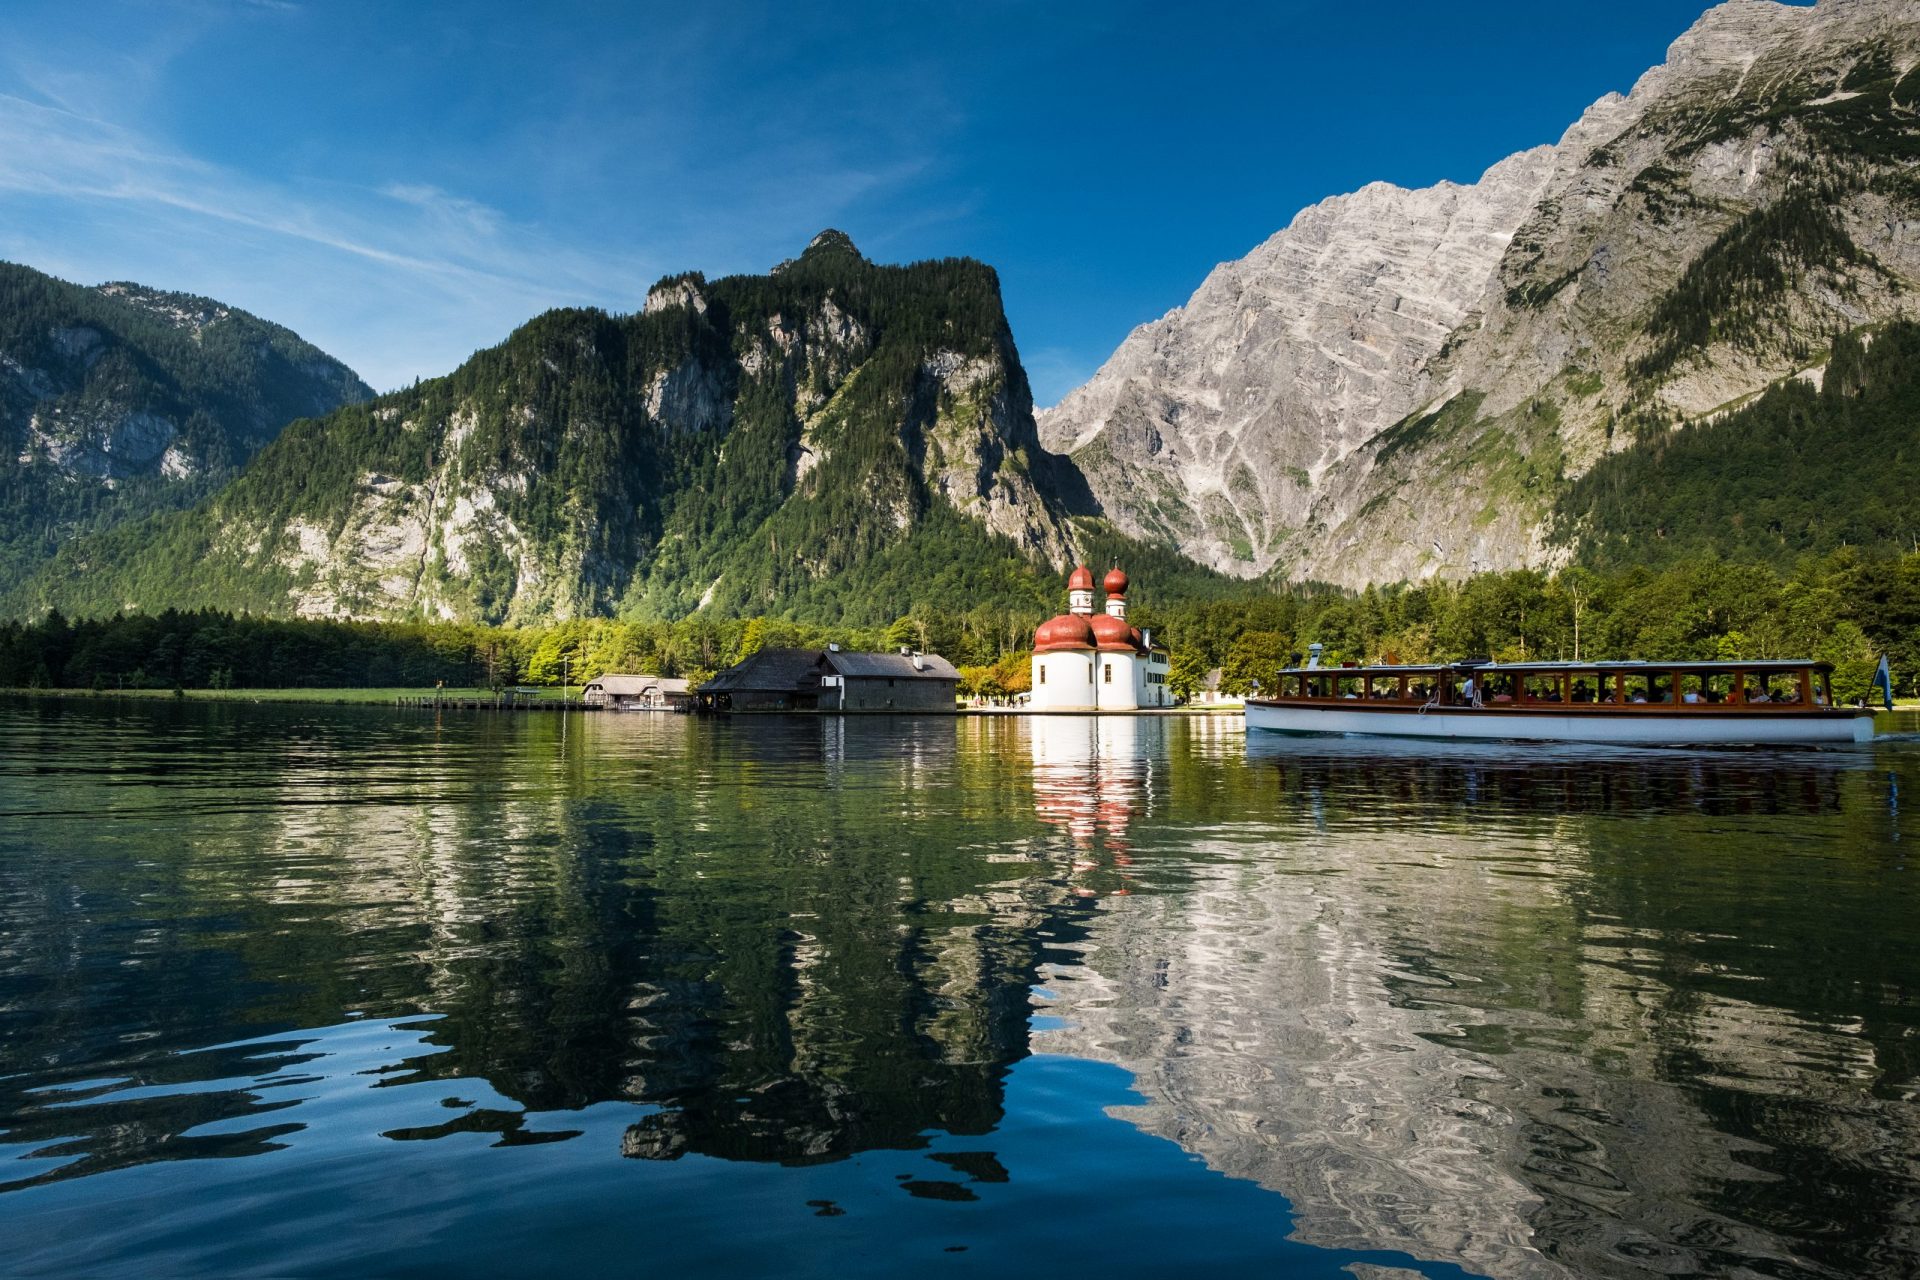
(1116, 582)
(1110, 633)
(1068, 631)
(1081, 579)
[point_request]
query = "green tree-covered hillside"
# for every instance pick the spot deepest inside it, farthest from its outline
(1797, 470)
(119, 401)
(834, 440)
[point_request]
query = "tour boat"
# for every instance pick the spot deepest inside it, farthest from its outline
(1647, 703)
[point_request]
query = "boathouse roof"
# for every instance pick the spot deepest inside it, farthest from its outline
(627, 686)
(890, 666)
(781, 669)
(788, 669)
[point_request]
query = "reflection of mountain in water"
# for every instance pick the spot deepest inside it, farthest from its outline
(1539, 1013)
(1417, 1008)
(799, 939)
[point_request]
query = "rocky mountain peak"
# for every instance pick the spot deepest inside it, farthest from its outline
(831, 242)
(682, 290)
(1396, 384)
(830, 247)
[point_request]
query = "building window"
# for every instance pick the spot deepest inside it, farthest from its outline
(1108, 671)
(1043, 675)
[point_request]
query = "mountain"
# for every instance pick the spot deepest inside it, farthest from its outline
(835, 439)
(1404, 384)
(121, 400)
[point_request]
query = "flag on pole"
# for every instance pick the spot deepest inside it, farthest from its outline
(1883, 681)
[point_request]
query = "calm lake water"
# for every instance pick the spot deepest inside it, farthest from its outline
(348, 991)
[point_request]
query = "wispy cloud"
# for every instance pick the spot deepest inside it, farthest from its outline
(53, 152)
(424, 244)
(655, 147)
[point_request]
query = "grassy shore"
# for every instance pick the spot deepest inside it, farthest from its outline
(332, 697)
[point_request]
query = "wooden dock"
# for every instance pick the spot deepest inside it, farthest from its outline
(497, 702)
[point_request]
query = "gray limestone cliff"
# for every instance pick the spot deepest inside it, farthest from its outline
(1400, 383)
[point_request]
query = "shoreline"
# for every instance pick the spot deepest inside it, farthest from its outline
(411, 699)
(414, 699)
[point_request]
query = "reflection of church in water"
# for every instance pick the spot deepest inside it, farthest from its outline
(1094, 777)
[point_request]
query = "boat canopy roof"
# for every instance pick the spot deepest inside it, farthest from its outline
(1761, 665)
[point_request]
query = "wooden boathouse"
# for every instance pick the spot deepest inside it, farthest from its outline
(834, 680)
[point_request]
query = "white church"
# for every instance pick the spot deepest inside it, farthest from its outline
(1087, 661)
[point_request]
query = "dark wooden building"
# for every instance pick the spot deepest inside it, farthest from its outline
(832, 679)
(637, 693)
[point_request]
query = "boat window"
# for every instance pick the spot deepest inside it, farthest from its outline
(1346, 686)
(1769, 687)
(1584, 689)
(1383, 687)
(1717, 687)
(1542, 688)
(1610, 690)
(1498, 689)
(1422, 691)
(1692, 688)
(1660, 686)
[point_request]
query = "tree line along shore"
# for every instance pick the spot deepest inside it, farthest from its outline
(1843, 607)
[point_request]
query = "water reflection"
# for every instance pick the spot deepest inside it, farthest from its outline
(1441, 1012)
(1527, 1012)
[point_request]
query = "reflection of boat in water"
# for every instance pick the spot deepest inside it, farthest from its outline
(1640, 703)
(1391, 774)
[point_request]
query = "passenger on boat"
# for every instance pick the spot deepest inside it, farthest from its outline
(1637, 697)
(1581, 693)
(1691, 695)
(1759, 695)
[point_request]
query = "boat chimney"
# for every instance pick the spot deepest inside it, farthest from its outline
(1313, 655)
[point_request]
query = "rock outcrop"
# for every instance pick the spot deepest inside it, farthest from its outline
(1400, 383)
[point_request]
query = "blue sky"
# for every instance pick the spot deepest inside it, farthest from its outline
(405, 183)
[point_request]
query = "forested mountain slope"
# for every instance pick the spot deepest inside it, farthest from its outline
(832, 440)
(1814, 465)
(1403, 385)
(120, 400)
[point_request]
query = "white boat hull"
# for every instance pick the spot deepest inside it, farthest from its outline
(1672, 729)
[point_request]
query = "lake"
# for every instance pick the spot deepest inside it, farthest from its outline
(350, 991)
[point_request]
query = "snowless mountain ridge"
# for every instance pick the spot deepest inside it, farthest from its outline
(1254, 427)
